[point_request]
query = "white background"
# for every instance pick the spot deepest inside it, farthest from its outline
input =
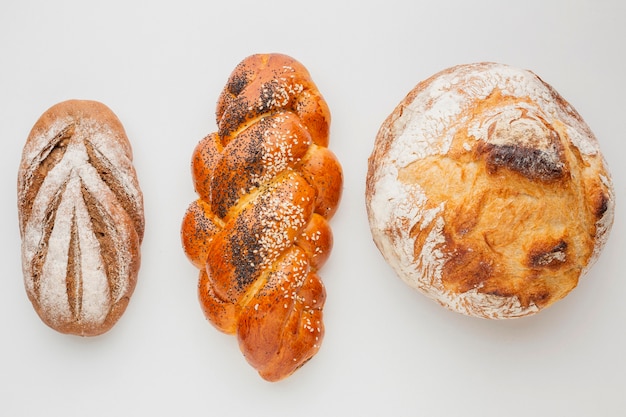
(388, 350)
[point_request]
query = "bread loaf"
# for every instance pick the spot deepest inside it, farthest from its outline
(81, 218)
(259, 232)
(488, 192)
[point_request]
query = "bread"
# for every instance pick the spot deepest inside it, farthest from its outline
(488, 192)
(259, 232)
(81, 218)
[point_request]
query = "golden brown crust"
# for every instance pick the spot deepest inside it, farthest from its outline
(259, 232)
(507, 197)
(81, 218)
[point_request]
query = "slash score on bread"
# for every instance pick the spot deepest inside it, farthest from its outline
(81, 218)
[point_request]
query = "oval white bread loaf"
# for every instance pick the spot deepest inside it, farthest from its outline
(81, 218)
(488, 192)
(259, 232)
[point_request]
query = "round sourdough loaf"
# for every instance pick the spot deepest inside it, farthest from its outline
(81, 218)
(488, 192)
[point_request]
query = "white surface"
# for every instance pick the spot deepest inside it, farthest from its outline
(388, 350)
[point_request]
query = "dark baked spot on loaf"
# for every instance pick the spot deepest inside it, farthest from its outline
(601, 204)
(548, 255)
(524, 142)
(111, 177)
(465, 269)
(539, 298)
(534, 164)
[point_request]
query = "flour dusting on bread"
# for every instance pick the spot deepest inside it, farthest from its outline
(81, 218)
(470, 152)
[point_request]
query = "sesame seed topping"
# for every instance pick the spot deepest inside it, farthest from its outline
(263, 198)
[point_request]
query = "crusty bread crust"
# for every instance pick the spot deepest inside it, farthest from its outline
(488, 192)
(259, 231)
(81, 218)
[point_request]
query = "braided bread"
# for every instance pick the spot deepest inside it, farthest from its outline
(259, 231)
(81, 218)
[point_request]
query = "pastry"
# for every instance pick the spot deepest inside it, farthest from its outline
(81, 218)
(267, 186)
(487, 191)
